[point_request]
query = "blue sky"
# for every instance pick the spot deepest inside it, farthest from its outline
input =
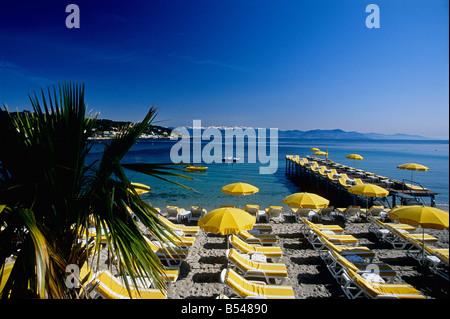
(285, 64)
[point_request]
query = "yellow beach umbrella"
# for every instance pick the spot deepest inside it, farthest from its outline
(306, 200)
(413, 167)
(240, 189)
(226, 221)
(368, 190)
(355, 157)
(423, 216)
(314, 149)
(140, 188)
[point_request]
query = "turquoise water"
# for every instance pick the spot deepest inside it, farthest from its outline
(380, 157)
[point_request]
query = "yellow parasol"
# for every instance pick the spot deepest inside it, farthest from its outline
(240, 189)
(413, 167)
(423, 216)
(355, 157)
(368, 190)
(226, 221)
(314, 149)
(306, 200)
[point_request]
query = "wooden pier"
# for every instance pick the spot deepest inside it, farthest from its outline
(332, 180)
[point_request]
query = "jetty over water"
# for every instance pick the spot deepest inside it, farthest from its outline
(333, 181)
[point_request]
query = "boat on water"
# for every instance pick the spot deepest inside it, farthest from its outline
(230, 159)
(196, 168)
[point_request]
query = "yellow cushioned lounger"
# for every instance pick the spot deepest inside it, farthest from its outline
(248, 289)
(251, 268)
(109, 287)
(338, 264)
(333, 228)
(173, 256)
(378, 290)
(336, 239)
(262, 239)
(186, 230)
(268, 251)
(343, 250)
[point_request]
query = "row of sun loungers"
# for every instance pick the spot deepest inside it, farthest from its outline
(273, 213)
(416, 245)
(253, 272)
(352, 266)
(350, 213)
(329, 169)
(104, 284)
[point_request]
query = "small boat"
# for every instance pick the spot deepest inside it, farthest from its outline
(230, 159)
(196, 168)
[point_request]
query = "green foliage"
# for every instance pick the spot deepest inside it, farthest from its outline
(49, 196)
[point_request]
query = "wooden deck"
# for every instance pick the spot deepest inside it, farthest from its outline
(334, 179)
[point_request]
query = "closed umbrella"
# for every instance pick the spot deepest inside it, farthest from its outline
(240, 189)
(423, 216)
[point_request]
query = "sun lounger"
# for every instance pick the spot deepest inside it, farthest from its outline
(308, 213)
(331, 177)
(377, 212)
(315, 235)
(433, 257)
(307, 225)
(260, 239)
(343, 182)
(172, 256)
(250, 268)
(263, 229)
(248, 289)
(356, 286)
(196, 213)
(400, 238)
(272, 252)
(170, 273)
(326, 213)
(345, 251)
(185, 230)
(351, 212)
(337, 265)
(106, 286)
(181, 241)
(173, 213)
(252, 209)
(274, 213)
(380, 228)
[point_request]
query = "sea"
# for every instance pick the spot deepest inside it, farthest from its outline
(380, 156)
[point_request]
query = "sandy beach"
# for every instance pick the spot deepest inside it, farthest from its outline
(200, 272)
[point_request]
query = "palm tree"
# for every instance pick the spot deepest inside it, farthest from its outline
(50, 194)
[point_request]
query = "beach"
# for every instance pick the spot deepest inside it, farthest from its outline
(199, 276)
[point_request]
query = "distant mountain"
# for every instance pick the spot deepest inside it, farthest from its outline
(342, 135)
(336, 134)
